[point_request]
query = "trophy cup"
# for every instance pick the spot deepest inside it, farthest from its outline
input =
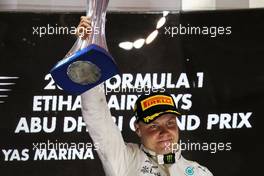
(88, 63)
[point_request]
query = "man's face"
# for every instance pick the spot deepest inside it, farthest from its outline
(160, 134)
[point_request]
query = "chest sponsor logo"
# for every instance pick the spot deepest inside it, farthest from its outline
(189, 171)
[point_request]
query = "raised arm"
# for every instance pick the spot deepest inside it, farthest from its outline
(112, 149)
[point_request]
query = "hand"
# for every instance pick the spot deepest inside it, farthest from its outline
(84, 28)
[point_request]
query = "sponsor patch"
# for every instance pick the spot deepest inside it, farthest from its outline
(150, 118)
(156, 100)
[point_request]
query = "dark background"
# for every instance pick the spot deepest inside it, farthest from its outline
(232, 66)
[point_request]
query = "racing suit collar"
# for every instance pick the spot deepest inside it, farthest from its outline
(158, 157)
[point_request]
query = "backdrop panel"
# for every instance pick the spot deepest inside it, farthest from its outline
(211, 62)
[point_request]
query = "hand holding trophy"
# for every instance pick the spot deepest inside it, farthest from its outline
(84, 28)
(88, 63)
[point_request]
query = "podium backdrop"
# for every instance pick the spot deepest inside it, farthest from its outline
(211, 62)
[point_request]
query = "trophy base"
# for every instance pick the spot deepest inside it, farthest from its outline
(84, 69)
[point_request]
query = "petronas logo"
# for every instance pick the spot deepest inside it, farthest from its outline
(189, 171)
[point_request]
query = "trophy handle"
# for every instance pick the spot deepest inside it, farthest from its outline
(96, 11)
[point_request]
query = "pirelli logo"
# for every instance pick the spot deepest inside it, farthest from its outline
(156, 100)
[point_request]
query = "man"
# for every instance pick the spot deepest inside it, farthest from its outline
(156, 127)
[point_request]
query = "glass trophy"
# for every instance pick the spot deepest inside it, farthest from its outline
(88, 63)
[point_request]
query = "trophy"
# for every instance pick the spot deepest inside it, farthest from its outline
(88, 63)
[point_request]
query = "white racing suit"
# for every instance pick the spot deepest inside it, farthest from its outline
(127, 159)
